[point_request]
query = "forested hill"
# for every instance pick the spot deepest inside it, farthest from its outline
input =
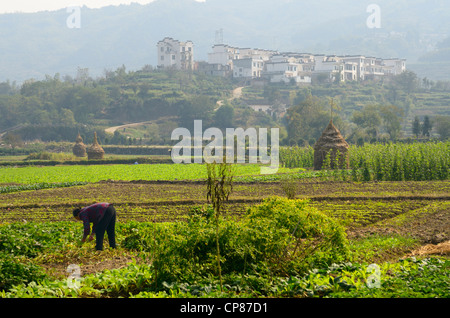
(55, 109)
(39, 44)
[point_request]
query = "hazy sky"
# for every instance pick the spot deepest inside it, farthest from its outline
(8, 6)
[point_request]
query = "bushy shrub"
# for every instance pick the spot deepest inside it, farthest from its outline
(279, 236)
(295, 236)
(13, 272)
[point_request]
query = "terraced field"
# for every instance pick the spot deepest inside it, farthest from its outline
(355, 204)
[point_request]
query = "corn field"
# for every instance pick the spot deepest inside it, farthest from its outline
(297, 157)
(384, 162)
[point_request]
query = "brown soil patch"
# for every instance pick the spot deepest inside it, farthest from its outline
(432, 231)
(91, 265)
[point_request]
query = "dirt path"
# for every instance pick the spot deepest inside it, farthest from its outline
(237, 93)
(111, 130)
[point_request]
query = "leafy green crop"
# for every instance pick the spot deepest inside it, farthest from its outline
(95, 173)
(38, 186)
(408, 278)
(398, 162)
(19, 239)
(177, 260)
(14, 272)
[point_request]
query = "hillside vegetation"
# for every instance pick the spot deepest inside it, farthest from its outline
(56, 109)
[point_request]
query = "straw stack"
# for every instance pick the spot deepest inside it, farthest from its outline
(79, 149)
(331, 142)
(95, 152)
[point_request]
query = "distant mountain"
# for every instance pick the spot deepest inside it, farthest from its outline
(440, 54)
(33, 45)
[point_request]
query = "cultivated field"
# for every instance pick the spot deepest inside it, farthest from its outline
(383, 221)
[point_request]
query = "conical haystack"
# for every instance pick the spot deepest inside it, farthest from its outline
(95, 152)
(331, 142)
(79, 149)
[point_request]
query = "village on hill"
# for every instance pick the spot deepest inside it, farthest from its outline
(275, 67)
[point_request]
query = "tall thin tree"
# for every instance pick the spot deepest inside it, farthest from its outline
(219, 188)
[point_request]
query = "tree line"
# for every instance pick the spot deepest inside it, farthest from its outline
(56, 109)
(62, 105)
(368, 111)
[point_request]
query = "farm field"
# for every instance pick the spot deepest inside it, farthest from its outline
(138, 200)
(396, 224)
(95, 173)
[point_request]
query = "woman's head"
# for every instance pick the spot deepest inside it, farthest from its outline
(76, 212)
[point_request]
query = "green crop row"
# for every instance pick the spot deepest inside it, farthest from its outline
(38, 186)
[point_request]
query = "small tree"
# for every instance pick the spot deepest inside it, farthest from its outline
(443, 126)
(13, 140)
(289, 186)
(416, 130)
(219, 187)
(392, 117)
(427, 126)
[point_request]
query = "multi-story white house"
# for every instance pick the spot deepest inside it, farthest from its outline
(394, 66)
(256, 54)
(357, 61)
(351, 68)
(282, 68)
(327, 67)
(372, 67)
(247, 67)
(175, 54)
(223, 54)
(244, 62)
(292, 67)
(334, 68)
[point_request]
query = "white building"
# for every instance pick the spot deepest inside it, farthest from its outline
(342, 68)
(257, 54)
(291, 67)
(223, 54)
(175, 54)
(247, 67)
(394, 66)
(281, 68)
(244, 62)
(328, 67)
(357, 62)
(374, 68)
